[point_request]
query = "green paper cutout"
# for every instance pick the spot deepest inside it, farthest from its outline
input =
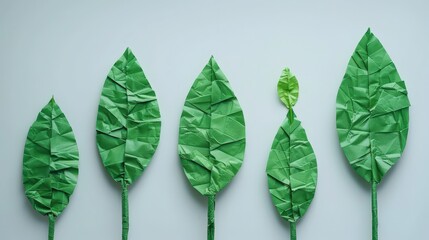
(372, 114)
(291, 167)
(288, 88)
(50, 165)
(211, 136)
(128, 125)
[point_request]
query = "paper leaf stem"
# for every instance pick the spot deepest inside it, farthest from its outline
(50, 166)
(372, 114)
(211, 135)
(128, 125)
(291, 166)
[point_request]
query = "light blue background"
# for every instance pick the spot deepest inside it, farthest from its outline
(66, 48)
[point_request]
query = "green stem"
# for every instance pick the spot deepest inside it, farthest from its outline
(292, 230)
(51, 226)
(374, 211)
(125, 221)
(211, 217)
(290, 115)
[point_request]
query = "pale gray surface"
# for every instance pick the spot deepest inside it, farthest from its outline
(66, 48)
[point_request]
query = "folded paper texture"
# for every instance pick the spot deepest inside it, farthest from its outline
(212, 132)
(211, 135)
(292, 171)
(128, 120)
(291, 166)
(372, 111)
(50, 167)
(128, 125)
(372, 114)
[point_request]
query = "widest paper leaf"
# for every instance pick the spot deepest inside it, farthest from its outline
(212, 132)
(50, 166)
(372, 111)
(128, 121)
(292, 171)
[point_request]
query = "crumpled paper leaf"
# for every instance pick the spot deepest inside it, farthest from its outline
(288, 88)
(291, 166)
(211, 135)
(128, 125)
(50, 166)
(212, 132)
(372, 111)
(372, 114)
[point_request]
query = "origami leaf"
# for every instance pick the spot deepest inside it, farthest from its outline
(372, 114)
(211, 135)
(288, 88)
(50, 163)
(128, 125)
(292, 166)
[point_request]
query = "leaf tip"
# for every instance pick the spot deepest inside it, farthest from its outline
(212, 61)
(286, 70)
(128, 53)
(369, 33)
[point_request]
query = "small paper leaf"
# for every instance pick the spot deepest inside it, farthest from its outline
(288, 88)
(372, 111)
(51, 157)
(212, 132)
(292, 171)
(128, 121)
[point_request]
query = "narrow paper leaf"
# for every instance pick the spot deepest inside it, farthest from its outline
(50, 166)
(292, 171)
(128, 125)
(212, 132)
(372, 111)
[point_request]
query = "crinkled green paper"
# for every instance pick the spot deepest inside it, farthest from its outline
(292, 166)
(50, 166)
(292, 171)
(372, 111)
(372, 114)
(128, 121)
(212, 132)
(288, 88)
(211, 135)
(128, 125)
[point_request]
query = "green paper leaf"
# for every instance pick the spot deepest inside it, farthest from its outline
(288, 88)
(50, 166)
(50, 161)
(372, 111)
(128, 121)
(128, 125)
(291, 166)
(291, 171)
(212, 132)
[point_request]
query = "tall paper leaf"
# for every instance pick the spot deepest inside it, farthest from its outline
(128, 125)
(372, 114)
(292, 166)
(211, 135)
(50, 166)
